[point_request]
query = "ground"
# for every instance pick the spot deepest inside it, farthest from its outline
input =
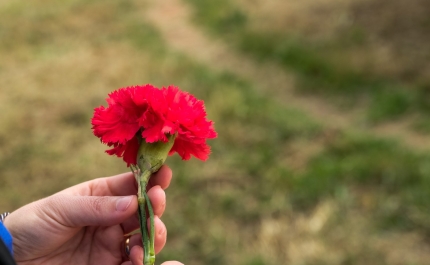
(321, 109)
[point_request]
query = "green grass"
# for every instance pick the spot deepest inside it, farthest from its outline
(398, 178)
(388, 98)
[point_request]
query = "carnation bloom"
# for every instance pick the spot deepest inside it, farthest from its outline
(146, 113)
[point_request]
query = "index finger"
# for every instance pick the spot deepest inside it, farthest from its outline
(120, 185)
(161, 178)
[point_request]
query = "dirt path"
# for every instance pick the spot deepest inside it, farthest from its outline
(173, 19)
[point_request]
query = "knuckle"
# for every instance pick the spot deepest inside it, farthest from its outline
(98, 203)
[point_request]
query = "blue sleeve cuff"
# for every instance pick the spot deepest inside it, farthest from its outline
(6, 237)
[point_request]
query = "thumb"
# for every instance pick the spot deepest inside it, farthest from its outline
(172, 263)
(78, 211)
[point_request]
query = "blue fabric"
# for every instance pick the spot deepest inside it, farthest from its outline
(6, 237)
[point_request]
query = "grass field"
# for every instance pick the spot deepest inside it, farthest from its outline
(285, 183)
(334, 50)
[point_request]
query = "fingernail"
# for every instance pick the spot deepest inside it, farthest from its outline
(161, 232)
(123, 203)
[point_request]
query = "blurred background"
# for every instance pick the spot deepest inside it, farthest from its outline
(322, 109)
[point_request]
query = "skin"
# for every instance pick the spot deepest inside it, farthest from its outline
(86, 223)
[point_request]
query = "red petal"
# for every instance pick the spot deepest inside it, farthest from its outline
(153, 127)
(185, 149)
(113, 125)
(130, 153)
(142, 94)
(127, 151)
(118, 122)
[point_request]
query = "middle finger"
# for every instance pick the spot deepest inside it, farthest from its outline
(157, 196)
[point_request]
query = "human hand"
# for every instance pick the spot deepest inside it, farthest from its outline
(86, 223)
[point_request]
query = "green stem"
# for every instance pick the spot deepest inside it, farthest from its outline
(151, 230)
(150, 157)
(144, 232)
(143, 202)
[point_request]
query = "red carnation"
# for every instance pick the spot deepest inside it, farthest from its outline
(143, 124)
(146, 113)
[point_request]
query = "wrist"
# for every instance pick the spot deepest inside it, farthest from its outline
(4, 219)
(5, 234)
(3, 216)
